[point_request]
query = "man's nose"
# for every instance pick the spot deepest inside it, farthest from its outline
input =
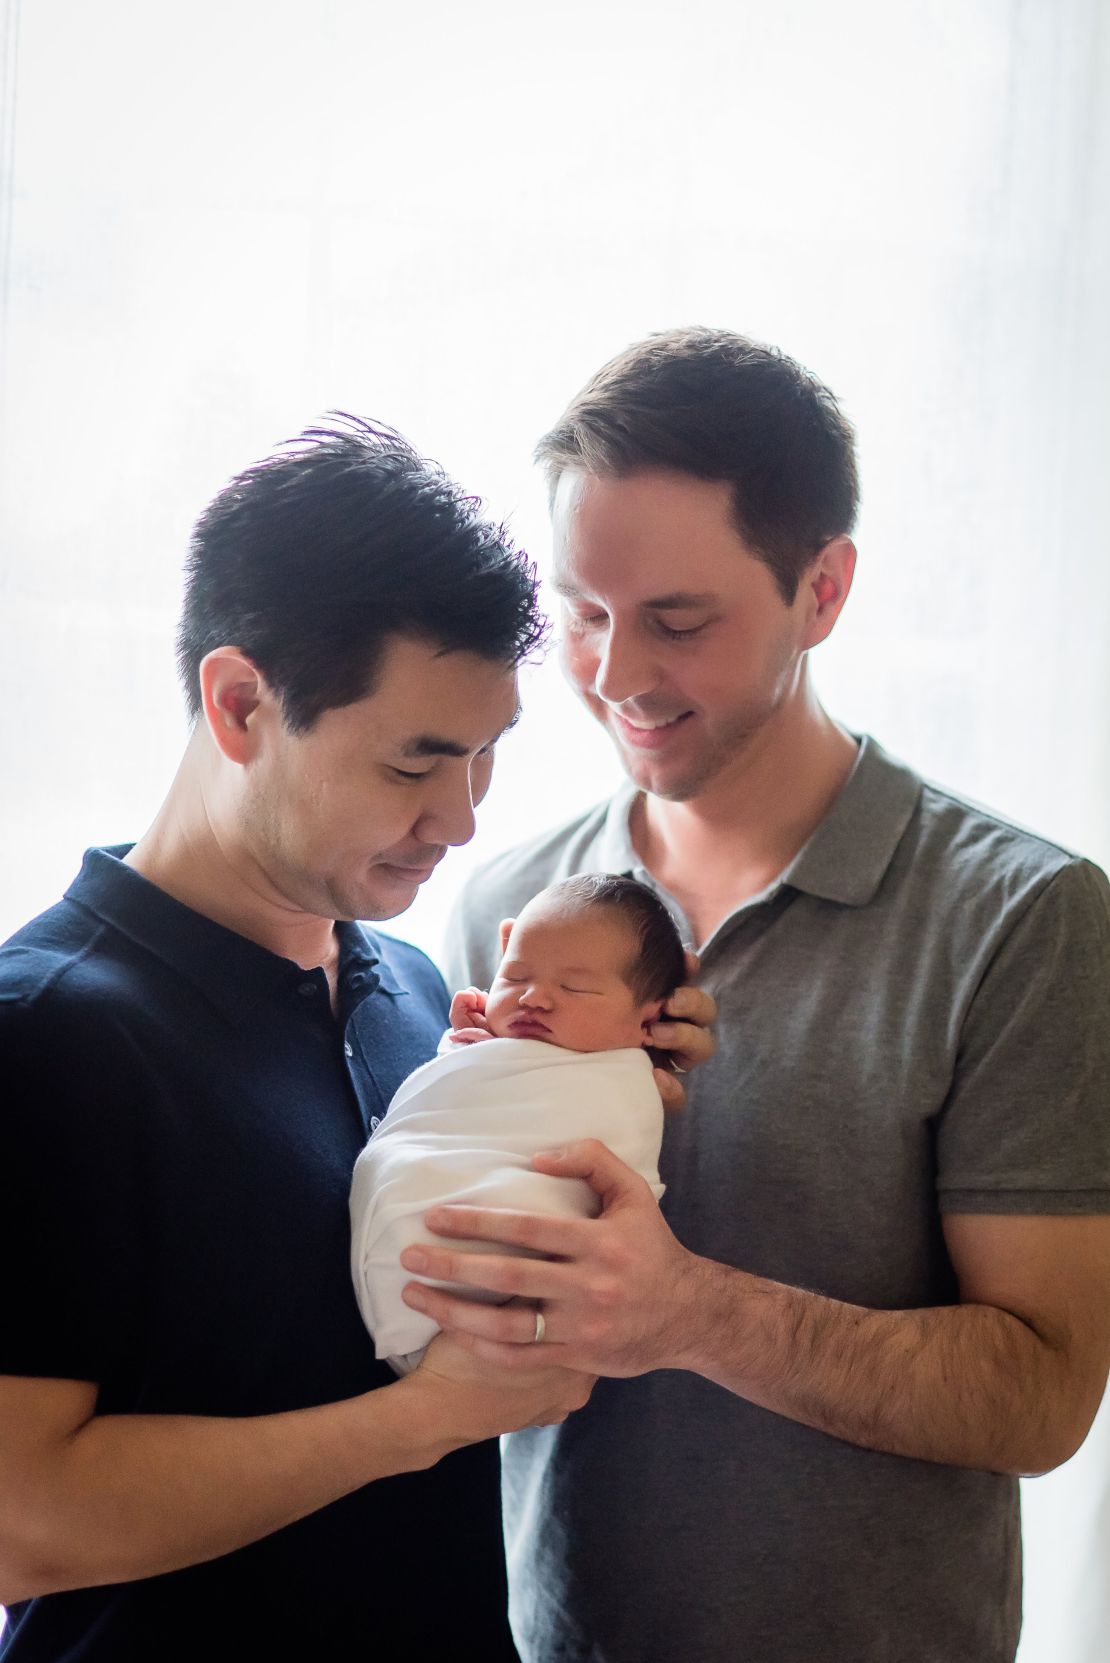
(624, 667)
(450, 817)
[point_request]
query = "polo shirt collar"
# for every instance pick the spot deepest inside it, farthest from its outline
(847, 856)
(233, 973)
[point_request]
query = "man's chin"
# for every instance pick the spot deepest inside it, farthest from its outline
(377, 902)
(379, 911)
(674, 782)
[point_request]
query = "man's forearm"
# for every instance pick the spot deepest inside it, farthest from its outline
(129, 1496)
(966, 1385)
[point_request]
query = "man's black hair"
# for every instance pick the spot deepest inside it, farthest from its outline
(310, 560)
(658, 964)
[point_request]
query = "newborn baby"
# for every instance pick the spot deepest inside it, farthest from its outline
(555, 1051)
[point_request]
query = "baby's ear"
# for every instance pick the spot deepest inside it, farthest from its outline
(651, 1012)
(504, 930)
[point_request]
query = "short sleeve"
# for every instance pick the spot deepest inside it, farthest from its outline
(67, 1204)
(1026, 1127)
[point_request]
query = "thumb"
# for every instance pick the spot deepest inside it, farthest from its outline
(591, 1160)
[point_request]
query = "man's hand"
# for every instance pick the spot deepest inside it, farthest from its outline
(1007, 1387)
(88, 1499)
(485, 1400)
(616, 1291)
(683, 1032)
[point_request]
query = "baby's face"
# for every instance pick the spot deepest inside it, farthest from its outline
(561, 980)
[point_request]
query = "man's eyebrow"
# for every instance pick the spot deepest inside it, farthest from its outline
(434, 744)
(679, 600)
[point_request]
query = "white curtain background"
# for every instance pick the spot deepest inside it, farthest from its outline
(218, 221)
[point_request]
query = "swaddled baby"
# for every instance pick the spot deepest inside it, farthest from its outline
(554, 1051)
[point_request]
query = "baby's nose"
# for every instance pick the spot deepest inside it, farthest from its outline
(536, 994)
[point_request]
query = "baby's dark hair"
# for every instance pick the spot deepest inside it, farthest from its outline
(659, 963)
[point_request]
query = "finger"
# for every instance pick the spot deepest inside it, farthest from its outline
(514, 1278)
(587, 1158)
(561, 1238)
(671, 1090)
(691, 1004)
(687, 1045)
(459, 1011)
(506, 1325)
(468, 999)
(519, 1359)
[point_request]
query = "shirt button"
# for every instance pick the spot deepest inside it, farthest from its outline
(374, 1122)
(348, 1048)
(307, 989)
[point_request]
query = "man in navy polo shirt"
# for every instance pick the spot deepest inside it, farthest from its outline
(199, 1455)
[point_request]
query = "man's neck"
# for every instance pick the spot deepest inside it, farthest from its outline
(193, 852)
(716, 850)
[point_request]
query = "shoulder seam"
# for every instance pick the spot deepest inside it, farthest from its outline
(997, 819)
(1021, 913)
(28, 1001)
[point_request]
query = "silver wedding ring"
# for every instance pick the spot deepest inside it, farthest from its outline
(541, 1328)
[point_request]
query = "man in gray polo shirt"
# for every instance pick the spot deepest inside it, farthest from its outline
(876, 1291)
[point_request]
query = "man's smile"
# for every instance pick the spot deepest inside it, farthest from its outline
(646, 733)
(412, 872)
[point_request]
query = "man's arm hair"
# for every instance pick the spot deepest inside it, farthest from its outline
(1008, 1380)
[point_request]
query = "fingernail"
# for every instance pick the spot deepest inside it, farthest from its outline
(414, 1258)
(414, 1297)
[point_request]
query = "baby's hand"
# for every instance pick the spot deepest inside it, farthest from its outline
(468, 1017)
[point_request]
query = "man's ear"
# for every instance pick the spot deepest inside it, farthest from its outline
(824, 588)
(232, 690)
(504, 930)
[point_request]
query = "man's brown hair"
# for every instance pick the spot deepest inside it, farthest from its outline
(713, 404)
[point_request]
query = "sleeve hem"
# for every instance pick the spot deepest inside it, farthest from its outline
(45, 1367)
(1069, 1201)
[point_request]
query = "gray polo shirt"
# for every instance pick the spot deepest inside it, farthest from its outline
(914, 1019)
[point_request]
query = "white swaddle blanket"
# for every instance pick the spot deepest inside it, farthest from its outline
(464, 1128)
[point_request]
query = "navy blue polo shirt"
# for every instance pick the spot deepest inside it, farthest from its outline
(181, 1114)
